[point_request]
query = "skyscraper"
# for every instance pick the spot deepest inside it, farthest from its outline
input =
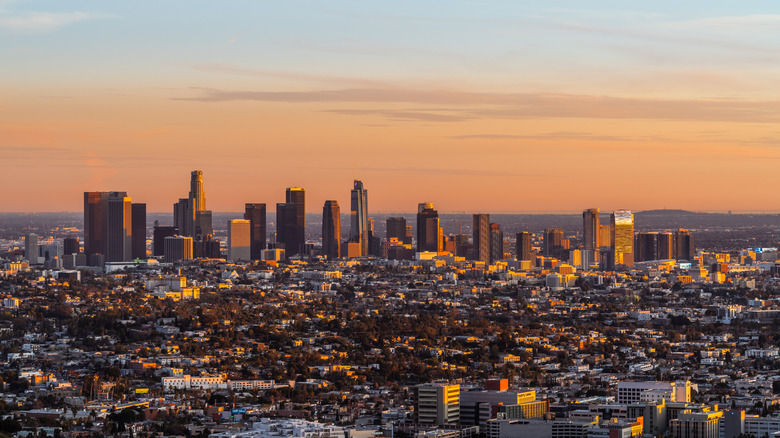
(623, 238)
(138, 246)
(177, 248)
(291, 221)
(591, 228)
(159, 235)
(496, 243)
(255, 214)
(95, 227)
(331, 230)
(358, 231)
(239, 241)
(31, 252)
(646, 245)
(481, 236)
(683, 244)
(71, 245)
(665, 246)
(553, 238)
(523, 245)
(190, 215)
(396, 227)
(119, 227)
(427, 228)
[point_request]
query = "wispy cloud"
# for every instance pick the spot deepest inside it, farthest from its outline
(751, 22)
(42, 22)
(463, 105)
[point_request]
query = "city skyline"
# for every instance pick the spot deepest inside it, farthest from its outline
(442, 100)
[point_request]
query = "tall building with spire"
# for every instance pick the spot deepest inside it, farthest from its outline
(331, 230)
(193, 220)
(590, 228)
(358, 231)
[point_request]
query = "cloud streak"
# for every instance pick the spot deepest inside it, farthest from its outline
(42, 22)
(464, 105)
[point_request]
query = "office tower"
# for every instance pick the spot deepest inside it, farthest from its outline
(684, 248)
(70, 245)
(646, 246)
(31, 252)
(255, 214)
(496, 243)
(95, 230)
(159, 235)
(437, 404)
(396, 228)
(665, 249)
(331, 230)
(553, 238)
(591, 228)
(239, 241)
(358, 231)
(138, 245)
(605, 236)
(523, 245)
(481, 237)
(180, 217)
(177, 248)
(291, 221)
(622, 222)
(190, 215)
(428, 232)
(119, 227)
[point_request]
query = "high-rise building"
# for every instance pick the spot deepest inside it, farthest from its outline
(438, 404)
(255, 214)
(553, 238)
(605, 236)
(177, 248)
(159, 235)
(523, 245)
(428, 231)
(496, 243)
(119, 227)
(291, 221)
(591, 228)
(138, 245)
(190, 215)
(95, 226)
(331, 230)
(665, 243)
(239, 241)
(622, 222)
(396, 228)
(70, 245)
(31, 251)
(481, 237)
(684, 247)
(358, 231)
(645, 245)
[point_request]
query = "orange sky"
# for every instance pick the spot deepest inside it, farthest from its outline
(469, 131)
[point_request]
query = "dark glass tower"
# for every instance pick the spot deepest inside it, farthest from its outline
(255, 214)
(523, 245)
(481, 237)
(291, 221)
(590, 228)
(139, 231)
(119, 227)
(427, 228)
(358, 231)
(95, 227)
(331, 229)
(396, 227)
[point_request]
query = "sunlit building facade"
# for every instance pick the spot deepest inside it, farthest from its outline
(622, 222)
